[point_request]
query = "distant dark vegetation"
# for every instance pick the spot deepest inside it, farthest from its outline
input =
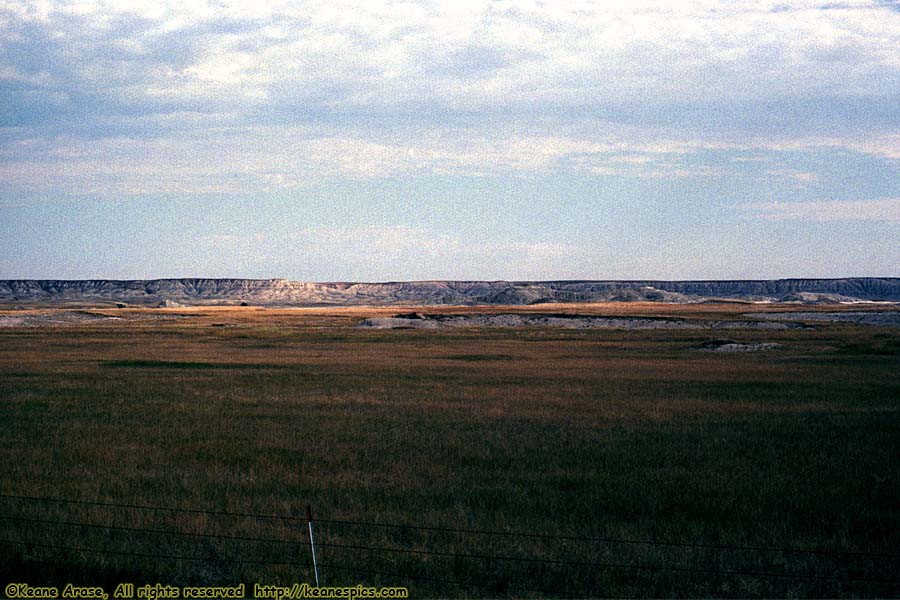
(522, 463)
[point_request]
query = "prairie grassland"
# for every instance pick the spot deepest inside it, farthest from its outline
(614, 435)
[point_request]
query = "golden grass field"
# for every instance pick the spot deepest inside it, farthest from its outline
(594, 439)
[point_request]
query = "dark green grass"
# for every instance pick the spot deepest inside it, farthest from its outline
(615, 435)
(478, 357)
(172, 364)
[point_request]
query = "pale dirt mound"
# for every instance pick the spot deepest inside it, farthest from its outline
(732, 346)
(54, 319)
(885, 318)
(817, 298)
(167, 303)
(74, 318)
(438, 321)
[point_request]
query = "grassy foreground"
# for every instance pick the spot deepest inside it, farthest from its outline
(592, 439)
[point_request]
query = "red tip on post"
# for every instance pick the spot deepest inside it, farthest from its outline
(308, 512)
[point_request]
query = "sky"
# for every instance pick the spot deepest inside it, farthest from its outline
(385, 141)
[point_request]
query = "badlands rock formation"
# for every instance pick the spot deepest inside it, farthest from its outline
(280, 292)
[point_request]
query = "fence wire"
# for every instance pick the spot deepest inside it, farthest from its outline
(472, 561)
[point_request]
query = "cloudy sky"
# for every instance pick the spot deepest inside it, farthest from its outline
(449, 140)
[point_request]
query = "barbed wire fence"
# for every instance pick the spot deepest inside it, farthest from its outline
(183, 546)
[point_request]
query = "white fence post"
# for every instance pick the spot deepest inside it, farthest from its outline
(312, 544)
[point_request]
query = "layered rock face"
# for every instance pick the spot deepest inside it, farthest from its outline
(280, 292)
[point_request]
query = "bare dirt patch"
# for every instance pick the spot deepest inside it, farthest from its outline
(732, 346)
(878, 319)
(55, 319)
(561, 321)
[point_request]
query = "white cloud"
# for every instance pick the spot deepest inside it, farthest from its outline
(255, 159)
(270, 94)
(881, 209)
(799, 177)
(886, 145)
(386, 52)
(379, 252)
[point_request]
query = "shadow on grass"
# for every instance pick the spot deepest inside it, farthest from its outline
(60, 572)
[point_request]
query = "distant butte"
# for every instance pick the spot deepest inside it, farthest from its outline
(280, 292)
